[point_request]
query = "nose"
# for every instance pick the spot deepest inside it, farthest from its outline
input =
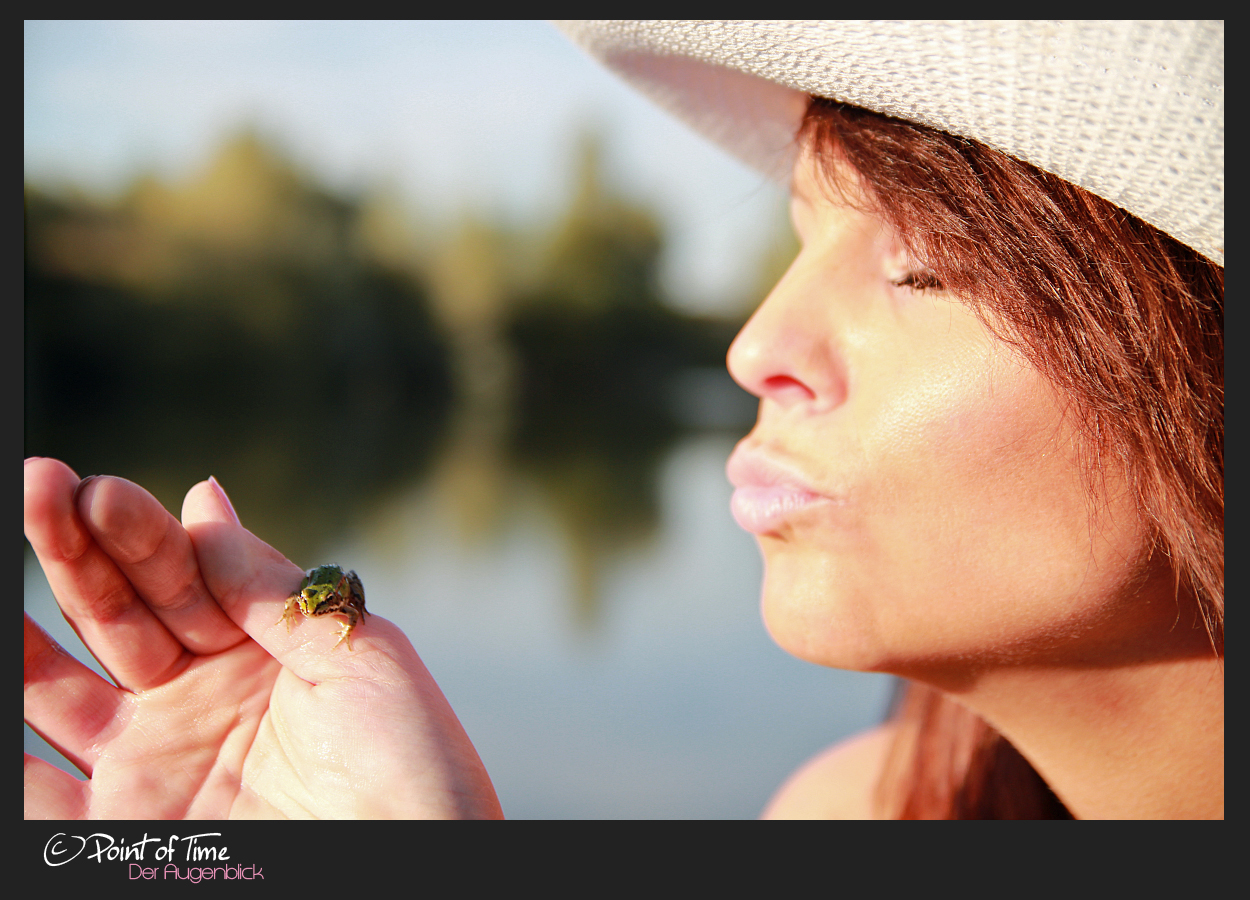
(788, 352)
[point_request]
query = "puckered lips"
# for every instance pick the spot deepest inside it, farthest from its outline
(768, 490)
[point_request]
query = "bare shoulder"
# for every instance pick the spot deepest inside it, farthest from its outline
(837, 783)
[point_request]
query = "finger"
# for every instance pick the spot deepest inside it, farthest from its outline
(96, 598)
(250, 579)
(70, 706)
(49, 793)
(152, 550)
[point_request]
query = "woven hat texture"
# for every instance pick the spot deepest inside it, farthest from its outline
(1131, 111)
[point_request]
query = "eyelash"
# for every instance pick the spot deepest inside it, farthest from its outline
(922, 280)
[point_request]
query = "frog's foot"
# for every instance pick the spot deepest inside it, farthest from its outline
(288, 612)
(346, 631)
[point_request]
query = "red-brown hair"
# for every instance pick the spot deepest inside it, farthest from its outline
(1122, 319)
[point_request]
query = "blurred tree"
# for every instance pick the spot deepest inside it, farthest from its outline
(604, 253)
(598, 351)
(231, 325)
(472, 276)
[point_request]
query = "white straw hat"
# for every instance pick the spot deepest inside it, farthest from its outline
(1131, 111)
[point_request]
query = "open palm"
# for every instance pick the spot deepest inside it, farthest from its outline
(216, 711)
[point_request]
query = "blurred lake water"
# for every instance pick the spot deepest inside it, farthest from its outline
(669, 702)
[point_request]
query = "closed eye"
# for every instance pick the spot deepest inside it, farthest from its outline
(922, 280)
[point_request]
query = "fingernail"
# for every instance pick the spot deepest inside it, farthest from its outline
(225, 501)
(82, 484)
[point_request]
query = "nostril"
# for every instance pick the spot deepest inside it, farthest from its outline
(782, 387)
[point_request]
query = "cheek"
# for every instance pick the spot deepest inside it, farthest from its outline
(987, 515)
(972, 532)
(963, 431)
(991, 466)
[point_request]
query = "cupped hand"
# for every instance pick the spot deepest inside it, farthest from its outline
(215, 709)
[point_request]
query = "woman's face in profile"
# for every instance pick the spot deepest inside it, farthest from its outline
(913, 482)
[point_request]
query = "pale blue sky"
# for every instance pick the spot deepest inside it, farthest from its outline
(453, 113)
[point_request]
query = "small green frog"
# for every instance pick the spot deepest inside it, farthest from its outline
(328, 590)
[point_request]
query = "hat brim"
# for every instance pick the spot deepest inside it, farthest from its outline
(1131, 111)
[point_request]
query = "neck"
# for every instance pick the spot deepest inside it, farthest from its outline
(1138, 741)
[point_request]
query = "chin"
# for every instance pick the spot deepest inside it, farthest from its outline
(812, 611)
(829, 609)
